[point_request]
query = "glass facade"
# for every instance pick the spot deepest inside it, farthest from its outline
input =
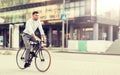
(83, 34)
(14, 16)
(107, 9)
(10, 3)
(47, 12)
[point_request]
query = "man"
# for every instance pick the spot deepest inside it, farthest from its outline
(28, 34)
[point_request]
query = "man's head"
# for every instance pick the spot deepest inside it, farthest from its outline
(35, 15)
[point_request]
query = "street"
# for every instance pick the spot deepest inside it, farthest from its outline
(66, 64)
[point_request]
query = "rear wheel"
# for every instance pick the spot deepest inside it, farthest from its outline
(43, 60)
(20, 58)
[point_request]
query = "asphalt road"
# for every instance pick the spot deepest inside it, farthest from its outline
(66, 64)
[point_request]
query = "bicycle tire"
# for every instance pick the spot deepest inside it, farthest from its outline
(20, 60)
(40, 63)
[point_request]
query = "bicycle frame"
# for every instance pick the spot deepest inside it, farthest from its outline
(37, 48)
(39, 52)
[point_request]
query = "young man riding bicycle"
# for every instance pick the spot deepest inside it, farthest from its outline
(28, 34)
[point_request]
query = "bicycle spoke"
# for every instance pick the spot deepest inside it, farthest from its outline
(43, 61)
(20, 58)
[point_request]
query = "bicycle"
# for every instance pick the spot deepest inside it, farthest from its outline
(39, 52)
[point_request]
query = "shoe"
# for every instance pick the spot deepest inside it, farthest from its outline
(26, 65)
(33, 54)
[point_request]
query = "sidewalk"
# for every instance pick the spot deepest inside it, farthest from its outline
(56, 50)
(66, 50)
(11, 51)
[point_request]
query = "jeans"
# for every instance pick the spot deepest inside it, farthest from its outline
(27, 38)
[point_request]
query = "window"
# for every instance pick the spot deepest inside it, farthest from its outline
(77, 4)
(72, 4)
(18, 16)
(82, 11)
(71, 12)
(82, 3)
(67, 5)
(77, 12)
(8, 3)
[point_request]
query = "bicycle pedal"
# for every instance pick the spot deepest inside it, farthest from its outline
(22, 58)
(42, 59)
(27, 65)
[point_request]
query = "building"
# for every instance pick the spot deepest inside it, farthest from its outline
(86, 20)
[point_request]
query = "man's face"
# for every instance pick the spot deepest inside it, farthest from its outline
(35, 16)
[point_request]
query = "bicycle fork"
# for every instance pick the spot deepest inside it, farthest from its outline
(41, 56)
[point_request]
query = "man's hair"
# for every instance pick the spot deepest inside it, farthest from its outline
(35, 12)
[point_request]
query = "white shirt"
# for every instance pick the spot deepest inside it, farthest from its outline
(32, 25)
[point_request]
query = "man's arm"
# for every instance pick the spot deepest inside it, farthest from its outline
(31, 32)
(34, 36)
(43, 37)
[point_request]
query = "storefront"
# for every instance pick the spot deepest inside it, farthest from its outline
(4, 35)
(86, 20)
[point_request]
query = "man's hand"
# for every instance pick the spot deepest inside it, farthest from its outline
(37, 39)
(45, 41)
(43, 37)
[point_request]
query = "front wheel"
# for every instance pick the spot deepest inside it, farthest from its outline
(43, 60)
(20, 58)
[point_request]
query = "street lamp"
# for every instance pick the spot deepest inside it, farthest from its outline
(63, 24)
(119, 23)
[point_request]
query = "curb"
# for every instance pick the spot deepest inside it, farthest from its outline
(11, 51)
(7, 52)
(92, 53)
